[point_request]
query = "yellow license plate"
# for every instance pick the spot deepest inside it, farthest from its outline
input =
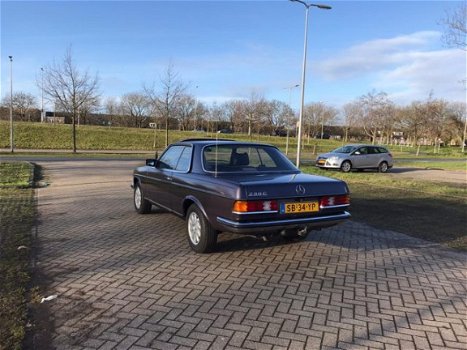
(299, 207)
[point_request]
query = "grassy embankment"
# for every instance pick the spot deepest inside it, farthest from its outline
(17, 214)
(50, 136)
(432, 211)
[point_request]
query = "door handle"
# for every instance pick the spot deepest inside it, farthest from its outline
(169, 178)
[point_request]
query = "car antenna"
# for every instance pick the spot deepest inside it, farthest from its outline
(215, 163)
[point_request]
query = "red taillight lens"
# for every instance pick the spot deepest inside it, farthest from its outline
(254, 206)
(330, 201)
(390, 155)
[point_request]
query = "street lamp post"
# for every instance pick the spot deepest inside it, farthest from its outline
(12, 147)
(288, 121)
(322, 126)
(42, 95)
(300, 119)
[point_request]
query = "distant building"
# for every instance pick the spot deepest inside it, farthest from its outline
(51, 118)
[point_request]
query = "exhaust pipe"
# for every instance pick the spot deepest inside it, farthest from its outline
(303, 232)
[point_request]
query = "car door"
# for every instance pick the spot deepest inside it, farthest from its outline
(374, 157)
(180, 186)
(160, 176)
(360, 157)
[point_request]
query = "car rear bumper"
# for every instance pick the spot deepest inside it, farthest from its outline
(278, 225)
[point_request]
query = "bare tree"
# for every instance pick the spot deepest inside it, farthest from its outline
(437, 115)
(214, 117)
(414, 121)
(455, 30)
(351, 114)
(254, 111)
(165, 102)
(455, 123)
(137, 106)
(376, 115)
(277, 116)
(70, 88)
(186, 111)
(234, 110)
(23, 104)
(112, 108)
(88, 107)
(316, 116)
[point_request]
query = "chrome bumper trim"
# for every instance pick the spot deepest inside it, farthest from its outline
(286, 222)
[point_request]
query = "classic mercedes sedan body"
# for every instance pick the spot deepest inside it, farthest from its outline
(229, 186)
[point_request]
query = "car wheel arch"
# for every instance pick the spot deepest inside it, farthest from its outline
(188, 201)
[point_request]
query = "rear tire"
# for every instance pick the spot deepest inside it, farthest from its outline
(201, 236)
(142, 206)
(383, 167)
(346, 166)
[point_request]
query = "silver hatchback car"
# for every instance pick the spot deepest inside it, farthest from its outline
(359, 157)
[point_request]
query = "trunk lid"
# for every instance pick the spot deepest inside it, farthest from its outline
(274, 186)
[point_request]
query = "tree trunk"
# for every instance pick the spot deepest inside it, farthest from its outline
(74, 132)
(166, 131)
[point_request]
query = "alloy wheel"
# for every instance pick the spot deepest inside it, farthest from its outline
(194, 228)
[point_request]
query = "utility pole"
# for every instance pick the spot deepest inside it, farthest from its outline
(12, 147)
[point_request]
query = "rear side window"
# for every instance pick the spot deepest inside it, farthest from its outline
(363, 150)
(382, 150)
(176, 158)
(184, 160)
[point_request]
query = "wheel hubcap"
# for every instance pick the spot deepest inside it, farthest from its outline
(138, 197)
(384, 167)
(346, 167)
(194, 228)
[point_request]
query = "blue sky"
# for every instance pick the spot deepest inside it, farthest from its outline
(230, 49)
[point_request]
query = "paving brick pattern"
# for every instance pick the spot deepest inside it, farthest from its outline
(129, 281)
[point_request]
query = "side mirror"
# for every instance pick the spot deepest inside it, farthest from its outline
(357, 153)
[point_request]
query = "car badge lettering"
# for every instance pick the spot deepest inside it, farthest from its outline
(300, 189)
(257, 194)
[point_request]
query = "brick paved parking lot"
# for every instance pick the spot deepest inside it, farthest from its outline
(129, 281)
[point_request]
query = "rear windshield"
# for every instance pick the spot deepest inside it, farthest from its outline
(345, 149)
(245, 158)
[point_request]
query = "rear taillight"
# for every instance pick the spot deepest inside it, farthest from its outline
(254, 206)
(390, 155)
(331, 201)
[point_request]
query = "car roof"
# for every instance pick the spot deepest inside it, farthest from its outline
(209, 141)
(362, 145)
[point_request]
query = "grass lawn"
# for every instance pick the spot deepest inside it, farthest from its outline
(427, 210)
(17, 215)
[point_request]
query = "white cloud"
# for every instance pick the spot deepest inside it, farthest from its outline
(407, 67)
(374, 54)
